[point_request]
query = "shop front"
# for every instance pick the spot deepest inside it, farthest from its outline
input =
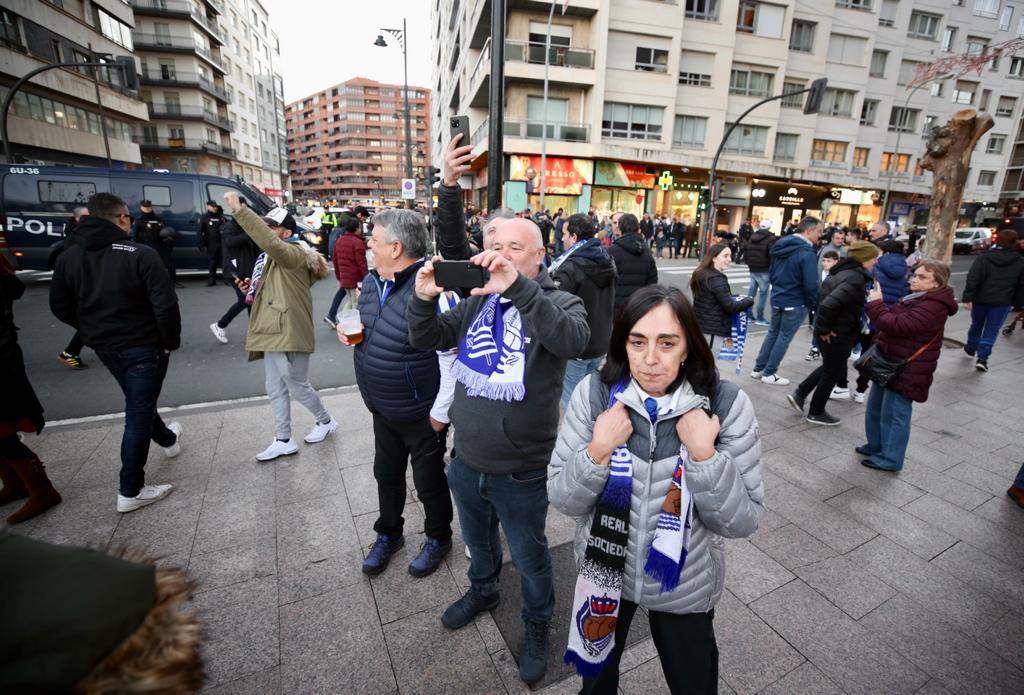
(731, 207)
(783, 203)
(621, 187)
(676, 196)
(566, 181)
(854, 207)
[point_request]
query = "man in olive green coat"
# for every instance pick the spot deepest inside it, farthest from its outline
(281, 323)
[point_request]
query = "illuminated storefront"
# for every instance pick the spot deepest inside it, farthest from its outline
(854, 207)
(782, 203)
(621, 186)
(566, 183)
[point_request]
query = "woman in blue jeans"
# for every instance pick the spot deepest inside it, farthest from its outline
(909, 330)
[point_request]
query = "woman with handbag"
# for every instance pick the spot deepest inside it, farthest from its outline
(902, 361)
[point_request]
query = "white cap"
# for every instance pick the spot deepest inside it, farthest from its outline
(765, 224)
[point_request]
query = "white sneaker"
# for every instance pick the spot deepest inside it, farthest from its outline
(839, 394)
(859, 396)
(468, 556)
(147, 495)
(775, 380)
(321, 432)
(219, 333)
(755, 374)
(278, 448)
(174, 449)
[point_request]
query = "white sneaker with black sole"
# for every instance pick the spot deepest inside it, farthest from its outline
(174, 449)
(839, 394)
(278, 448)
(823, 418)
(775, 380)
(321, 432)
(859, 396)
(147, 495)
(219, 333)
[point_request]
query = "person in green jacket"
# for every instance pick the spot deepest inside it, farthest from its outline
(281, 322)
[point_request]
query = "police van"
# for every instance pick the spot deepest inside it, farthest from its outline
(37, 201)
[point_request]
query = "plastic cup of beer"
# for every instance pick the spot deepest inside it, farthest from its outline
(351, 326)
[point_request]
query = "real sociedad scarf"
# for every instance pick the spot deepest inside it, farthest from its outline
(736, 343)
(561, 259)
(257, 276)
(492, 354)
(598, 593)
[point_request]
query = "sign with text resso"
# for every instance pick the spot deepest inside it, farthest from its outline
(563, 176)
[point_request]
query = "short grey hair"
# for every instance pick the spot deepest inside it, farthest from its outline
(406, 227)
(499, 214)
(808, 223)
(884, 225)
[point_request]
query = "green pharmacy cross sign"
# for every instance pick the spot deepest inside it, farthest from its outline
(665, 182)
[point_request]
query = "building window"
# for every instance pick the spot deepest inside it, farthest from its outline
(785, 147)
(986, 8)
(1006, 106)
(689, 132)
(831, 151)
(900, 164)
(9, 34)
(964, 91)
(868, 112)
(929, 122)
(1005, 17)
(114, 29)
(848, 50)
(632, 121)
(706, 10)
(695, 68)
(793, 98)
(903, 120)
(747, 16)
(752, 83)
(747, 139)
(948, 39)
(995, 144)
(986, 179)
(923, 25)
(908, 69)
(651, 59)
(854, 4)
(976, 46)
(937, 88)
(860, 157)
(878, 61)
(1016, 66)
(838, 102)
(887, 13)
(802, 36)
(986, 96)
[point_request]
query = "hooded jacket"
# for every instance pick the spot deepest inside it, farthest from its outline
(794, 273)
(115, 291)
(727, 490)
(891, 274)
(349, 259)
(238, 250)
(714, 305)
(996, 278)
(635, 265)
(758, 252)
(841, 301)
(907, 325)
(589, 273)
(282, 307)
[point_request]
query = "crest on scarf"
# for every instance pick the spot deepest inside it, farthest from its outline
(480, 337)
(596, 621)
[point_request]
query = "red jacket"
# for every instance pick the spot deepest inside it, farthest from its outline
(349, 257)
(907, 325)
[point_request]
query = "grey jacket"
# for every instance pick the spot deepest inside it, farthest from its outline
(499, 437)
(727, 490)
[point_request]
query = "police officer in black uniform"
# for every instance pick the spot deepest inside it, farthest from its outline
(149, 229)
(209, 238)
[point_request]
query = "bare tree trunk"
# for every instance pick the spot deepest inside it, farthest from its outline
(947, 156)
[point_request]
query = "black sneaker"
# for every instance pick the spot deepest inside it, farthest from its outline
(380, 553)
(462, 612)
(796, 401)
(968, 351)
(430, 557)
(981, 365)
(533, 661)
(823, 418)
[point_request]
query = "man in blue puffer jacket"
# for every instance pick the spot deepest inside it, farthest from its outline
(794, 278)
(398, 384)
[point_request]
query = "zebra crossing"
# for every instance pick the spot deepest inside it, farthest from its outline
(738, 276)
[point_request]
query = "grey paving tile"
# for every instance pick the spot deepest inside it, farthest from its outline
(917, 536)
(228, 566)
(941, 485)
(805, 679)
(306, 477)
(805, 476)
(971, 611)
(842, 649)
(1006, 638)
(333, 643)
(981, 478)
(162, 529)
(398, 594)
(489, 632)
(302, 580)
(995, 540)
(262, 683)
(724, 689)
(241, 629)
(314, 530)
(361, 488)
(431, 659)
(85, 520)
(932, 687)
(229, 520)
(751, 654)
(835, 529)
(941, 650)
(1004, 463)
(749, 572)
(792, 547)
(985, 573)
(1003, 511)
(856, 592)
(771, 520)
(886, 487)
(645, 679)
(638, 653)
(242, 478)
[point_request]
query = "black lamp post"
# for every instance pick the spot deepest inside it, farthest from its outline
(400, 34)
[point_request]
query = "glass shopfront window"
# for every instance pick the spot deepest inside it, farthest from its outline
(610, 200)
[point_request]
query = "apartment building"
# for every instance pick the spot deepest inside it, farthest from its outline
(642, 91)
(347, 142)
(55, 119)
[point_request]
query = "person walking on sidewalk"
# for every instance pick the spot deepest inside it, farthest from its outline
(239, 255)
(72, 354)
(908, 331)
(995, 283)
(657, 460)
(281, 326)
(117, 293)
(794, 281)
(633, 260)
(349, 260)
(837, 325)
(713, 302)
(758, 258)
(514, 336)
(209, 239)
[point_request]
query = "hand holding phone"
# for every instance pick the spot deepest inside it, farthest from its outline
(460, 275)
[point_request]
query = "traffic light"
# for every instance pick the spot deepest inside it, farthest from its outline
(131, 77)
(813, 103)
(433, 176)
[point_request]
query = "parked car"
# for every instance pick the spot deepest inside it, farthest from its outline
(972, 240)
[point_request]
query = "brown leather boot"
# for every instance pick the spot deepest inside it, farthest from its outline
(13, 488)
(41, 494)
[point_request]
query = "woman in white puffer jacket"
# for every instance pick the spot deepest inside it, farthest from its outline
(669, 411)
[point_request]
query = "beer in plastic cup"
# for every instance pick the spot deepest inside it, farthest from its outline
(351, 326)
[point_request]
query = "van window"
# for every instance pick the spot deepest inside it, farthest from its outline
(216, 193)
(158, 195)
(76, 192)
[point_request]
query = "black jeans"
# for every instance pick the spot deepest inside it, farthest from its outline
(75, 345)
(336, 302)
(394, 443)
(140, 372)
(214, 257)
(864, 340)
(823, 379)
(686, 647)
(235, 308)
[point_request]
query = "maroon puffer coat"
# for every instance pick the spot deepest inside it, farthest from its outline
(907, 325)
(349, 257)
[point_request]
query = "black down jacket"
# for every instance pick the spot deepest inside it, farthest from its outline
(841, 301)
(636, 267)
(996, 278)
(589, 273)
(758, 251)
(714, 305)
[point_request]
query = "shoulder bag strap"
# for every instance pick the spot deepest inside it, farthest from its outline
(923, 348)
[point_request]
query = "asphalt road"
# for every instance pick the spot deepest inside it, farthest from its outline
(203, 370)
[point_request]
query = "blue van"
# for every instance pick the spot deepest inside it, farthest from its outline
(36, 202)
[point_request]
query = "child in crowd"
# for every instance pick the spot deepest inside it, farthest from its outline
(828, 259)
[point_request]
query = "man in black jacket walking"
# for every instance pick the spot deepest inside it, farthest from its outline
(209, 238)
(118, 295)
(759, 260)
(995, 283)
(239, 253)
(633, 260)
(587, 271)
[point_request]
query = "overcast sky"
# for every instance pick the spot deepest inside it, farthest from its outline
(324, 42)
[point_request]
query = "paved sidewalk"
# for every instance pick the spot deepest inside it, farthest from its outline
(858, 581)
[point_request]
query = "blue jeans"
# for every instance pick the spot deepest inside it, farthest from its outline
(759, 290)
(1019, 481)
(575, 370)
(140, 373)
(887, 426)
(519, 502)
(335, 303)
(785, 324)
(986, 320)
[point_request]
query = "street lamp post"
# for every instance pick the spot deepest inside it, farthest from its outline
(544, 118)
(401, 35)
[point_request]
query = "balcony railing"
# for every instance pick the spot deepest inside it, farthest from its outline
(182, 8)
(562, 56)
(534, 130)
(185, 144)
(828, 164)
(188, 112)
(159, 76)
(164, 41)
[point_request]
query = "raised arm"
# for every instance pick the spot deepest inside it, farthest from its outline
(280, 251)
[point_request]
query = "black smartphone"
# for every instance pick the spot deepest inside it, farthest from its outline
(460, 124)
(459, 275)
